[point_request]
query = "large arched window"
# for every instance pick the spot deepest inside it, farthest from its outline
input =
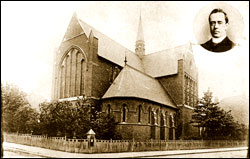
(71, 73)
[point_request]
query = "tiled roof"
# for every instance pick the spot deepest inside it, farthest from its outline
(134, 83)
(111, 50)
(156, 64)
(164, 62)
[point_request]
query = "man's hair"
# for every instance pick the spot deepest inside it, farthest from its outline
(218, 10)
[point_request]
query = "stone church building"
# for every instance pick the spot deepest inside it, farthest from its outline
(152, 96)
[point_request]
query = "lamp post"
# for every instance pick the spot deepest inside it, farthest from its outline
(91, 140)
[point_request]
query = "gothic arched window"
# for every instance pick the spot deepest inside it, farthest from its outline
(71, 73)
(109, 109)
(166, 117)
(157, 116)
(149, 114)
(124, 113)
(162, 120)
(61, 79)
(170, 121)
(190, 91)
(82, 77)
(139, 113)
(175, 119)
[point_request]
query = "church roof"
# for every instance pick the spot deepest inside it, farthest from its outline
(111, 50)
(164, 62)
(156, 64)
(134, 83)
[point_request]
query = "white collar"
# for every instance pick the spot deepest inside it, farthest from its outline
(218, 40)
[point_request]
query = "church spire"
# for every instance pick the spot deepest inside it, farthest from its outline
(140, 46)
(140, 31)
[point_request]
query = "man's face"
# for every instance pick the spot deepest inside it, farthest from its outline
(218, 25)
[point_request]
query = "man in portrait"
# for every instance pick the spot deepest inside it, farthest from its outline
(219, 42)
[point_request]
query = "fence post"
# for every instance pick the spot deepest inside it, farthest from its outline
(133, 143)
(30, 139)
(111, 145)
(152, 143)
(160, 144)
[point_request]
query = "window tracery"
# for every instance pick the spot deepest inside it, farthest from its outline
(71, 74)
(190, 91)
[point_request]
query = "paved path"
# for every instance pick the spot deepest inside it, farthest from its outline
(218, 154)
(42, 152)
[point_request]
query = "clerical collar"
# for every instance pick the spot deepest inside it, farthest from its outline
(218, 40)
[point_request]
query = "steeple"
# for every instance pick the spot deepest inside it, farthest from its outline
(140, 31)
(140, 46)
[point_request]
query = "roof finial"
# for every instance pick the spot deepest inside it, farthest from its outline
(125, 60)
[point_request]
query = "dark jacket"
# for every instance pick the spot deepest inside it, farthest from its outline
(223, 46)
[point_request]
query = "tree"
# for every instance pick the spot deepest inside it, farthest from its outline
(105, 127)
(18, 116)
(75, 119)
(214, 122)
(1, 122)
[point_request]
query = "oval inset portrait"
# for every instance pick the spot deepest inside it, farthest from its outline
(218, 27)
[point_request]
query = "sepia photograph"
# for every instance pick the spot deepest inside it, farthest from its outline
(220, 25)
(125, 79)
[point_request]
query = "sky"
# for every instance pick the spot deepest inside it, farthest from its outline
(31, 32)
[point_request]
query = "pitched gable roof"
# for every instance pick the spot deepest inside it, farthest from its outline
(74, 28)
(164, 62)
(133, 83)
(111, 50)
(156, 64)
